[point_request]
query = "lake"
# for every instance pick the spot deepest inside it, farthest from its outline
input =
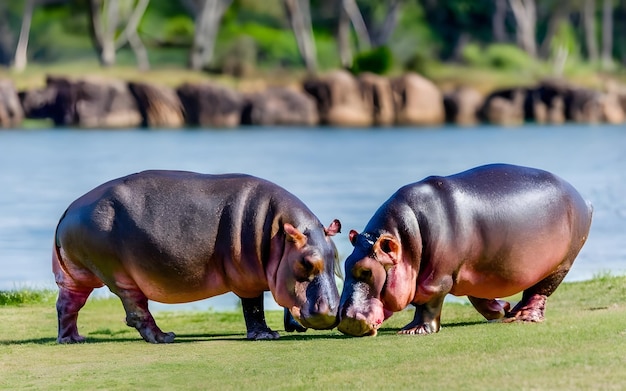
(338, 173)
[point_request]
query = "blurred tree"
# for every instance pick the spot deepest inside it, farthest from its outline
(498, 22)
(299, 15)
(607, 34)
(6, 33)
(208, 14)
(589, 23)
(349, 13)
(525, 12)
(20, 60)
(457, 22)
(106, 18)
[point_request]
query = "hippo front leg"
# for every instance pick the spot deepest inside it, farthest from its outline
(291, 324)
(138, 316)
(254, 315)
(427, 318)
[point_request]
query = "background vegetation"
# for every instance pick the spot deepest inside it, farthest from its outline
(580, 346)
(450, 41)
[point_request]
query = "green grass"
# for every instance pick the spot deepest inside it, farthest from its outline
(580, 347)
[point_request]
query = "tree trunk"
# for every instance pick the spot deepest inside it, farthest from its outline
(389, 25)
(206, 29)
(557, 15)
(589, 21)
(607, 34)
(343, 39)
(21, 59)
(107, 57)
(299, 15)
(352, 10)
(525, 12)
(103, 29)
(498, 21)
(131, 36)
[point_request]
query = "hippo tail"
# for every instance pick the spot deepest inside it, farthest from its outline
(58, 267)
(57, 244)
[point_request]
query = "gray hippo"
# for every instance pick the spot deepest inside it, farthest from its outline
(489, 232)
(177, 237)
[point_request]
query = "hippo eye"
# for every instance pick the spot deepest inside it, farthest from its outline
(307, 268)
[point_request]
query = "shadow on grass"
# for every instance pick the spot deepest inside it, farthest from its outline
(233, 337)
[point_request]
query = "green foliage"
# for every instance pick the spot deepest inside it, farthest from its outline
(26, 296)
(178, 30)
(473, 55)
(497, 56)
(565, 39)
(379, 60)
(507, 57)
(274, 46)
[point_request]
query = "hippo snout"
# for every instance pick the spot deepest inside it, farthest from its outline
(356, 327)
(361, 318)
(321, 314)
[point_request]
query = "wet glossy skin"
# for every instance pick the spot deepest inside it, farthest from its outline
(486, 233)
(176, 237)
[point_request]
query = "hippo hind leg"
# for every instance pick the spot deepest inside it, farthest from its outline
(491, 309)
(138, 316)
(533, 304)
(68, 304)
(291, 324)
(254, 315)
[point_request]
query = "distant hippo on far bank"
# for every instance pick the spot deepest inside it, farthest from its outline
(489, 232)
(176, 237)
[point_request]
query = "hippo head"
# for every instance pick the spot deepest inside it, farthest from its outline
(377, 283)
(305, 279)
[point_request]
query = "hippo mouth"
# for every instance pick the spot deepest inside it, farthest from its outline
(363, 320)
(316, 321)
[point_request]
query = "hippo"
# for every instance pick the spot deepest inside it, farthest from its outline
(486, 233)
(177, 237)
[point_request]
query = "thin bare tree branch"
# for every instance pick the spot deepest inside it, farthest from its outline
(21, 55)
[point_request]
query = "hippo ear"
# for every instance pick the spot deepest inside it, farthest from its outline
(334, 228)
(294, 235)
(390, 246)
(352, 236)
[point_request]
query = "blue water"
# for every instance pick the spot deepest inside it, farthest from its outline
(338, 173)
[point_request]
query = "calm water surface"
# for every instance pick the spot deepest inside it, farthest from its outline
(343, 174)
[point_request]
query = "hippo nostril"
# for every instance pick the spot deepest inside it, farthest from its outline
(321, 307)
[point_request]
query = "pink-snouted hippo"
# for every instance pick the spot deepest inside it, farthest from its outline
(486, 233)
(177, 237)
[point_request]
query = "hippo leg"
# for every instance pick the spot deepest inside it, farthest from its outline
(491, 309)
(138, 316)
(291, 324)
(68, 304)
(254, 316)
(533, 304)
(426, 319)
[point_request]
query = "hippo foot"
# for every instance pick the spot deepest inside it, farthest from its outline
(158, 337)
(291, 324)
(71, 339)
(260, 335)
(295, 326)
(531, 310)
(421, 329)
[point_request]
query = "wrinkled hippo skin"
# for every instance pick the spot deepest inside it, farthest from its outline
(489, 232)
(176, 237)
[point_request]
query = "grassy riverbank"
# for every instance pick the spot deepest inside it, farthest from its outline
(581, 346)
